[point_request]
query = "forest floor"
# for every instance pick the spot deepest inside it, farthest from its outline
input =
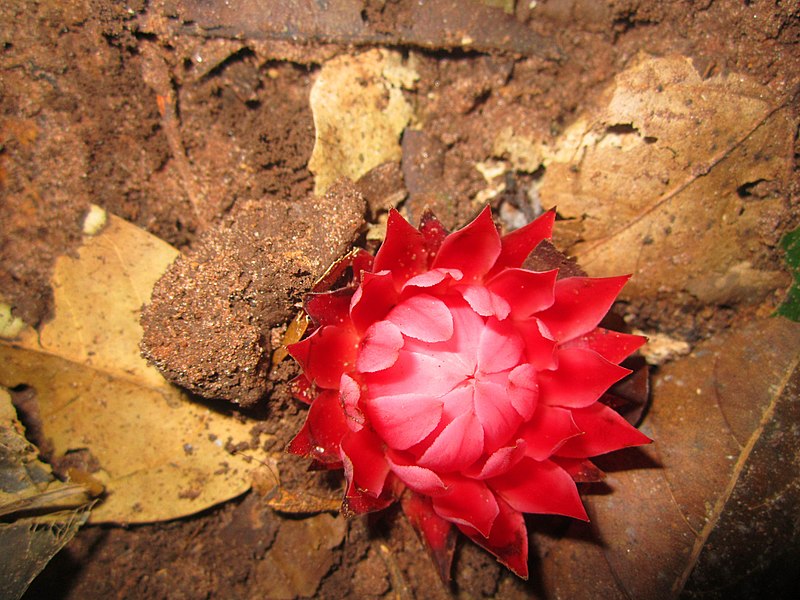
(664, 133)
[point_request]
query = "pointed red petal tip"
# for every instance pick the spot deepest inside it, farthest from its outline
(518, 244)
(580, 304)
(508, 540)
(472, 250)
(604, 431)
(611, 345)
(437, 535)
(404, 251)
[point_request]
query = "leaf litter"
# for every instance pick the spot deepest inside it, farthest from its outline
(660, 181)
(160, 455)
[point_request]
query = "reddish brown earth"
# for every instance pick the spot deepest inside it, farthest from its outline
(205, 142)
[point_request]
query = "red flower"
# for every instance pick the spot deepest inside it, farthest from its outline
(453, 377)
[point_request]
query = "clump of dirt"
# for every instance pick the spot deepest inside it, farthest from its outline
(207, 324)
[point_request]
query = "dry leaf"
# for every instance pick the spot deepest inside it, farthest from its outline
(714, 502)
(161, 456)
(674, 179)
(359, 113)
(40, 514)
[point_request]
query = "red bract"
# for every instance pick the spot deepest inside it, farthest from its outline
(451, 376)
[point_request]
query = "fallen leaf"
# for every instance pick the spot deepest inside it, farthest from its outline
(40, 514)
(676, 179)
(359, 113)
(161, 456)
(712, 505)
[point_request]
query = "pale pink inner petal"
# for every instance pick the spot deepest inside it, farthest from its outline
(423, 317)
(523, 391)
(500, 347)
(484, 302)
(503, 460)
(436, 374)
(404, 420)
(458, 401)
(495, 413)
(380, 347)
(457, 446)
(432, 278)
(419, 479)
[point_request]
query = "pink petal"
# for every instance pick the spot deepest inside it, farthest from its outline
(581, 378)
(611, 345)
(526, 292)
(404, 251)
(540, 350)
(604, 431)
(581, 303)
(330, 308)
(508, 539)
(495, 414)
(380, 347)
(458, 445)
(373, 299)
(540, 487)
(523, 391)
(435, 374)
(364, 450)
(349, 395)
(473, 249)
(432, 278)
(501, 461)
(548, 430)
(500, 346)
(467, 502)
(326, 354)
(485, 302)
(423, 317)
(518, 244)
(323, 430)
(438, 535)
(419, 479)
(457, 401)
(405, 420)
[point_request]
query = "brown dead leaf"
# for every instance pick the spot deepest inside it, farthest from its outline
(714, 502)
(161, 456)
(676, 179)
(39, 513)
(359, 113)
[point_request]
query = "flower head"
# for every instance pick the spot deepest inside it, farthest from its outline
(450, 376)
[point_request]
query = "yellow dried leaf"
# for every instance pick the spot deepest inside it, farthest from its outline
(161, 456)
(657, 179)
(359, 113)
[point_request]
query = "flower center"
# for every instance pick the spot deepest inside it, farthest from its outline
(455, 393)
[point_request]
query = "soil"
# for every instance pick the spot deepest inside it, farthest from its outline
(204, 141)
